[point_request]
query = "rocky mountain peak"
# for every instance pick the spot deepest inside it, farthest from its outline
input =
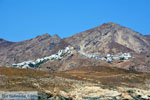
(99, 39)
(109, 27)
(56, 36)
(44, 36)
(110, 24)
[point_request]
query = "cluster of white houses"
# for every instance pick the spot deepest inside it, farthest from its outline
(34, 63)
(61, 53)
(108, 57)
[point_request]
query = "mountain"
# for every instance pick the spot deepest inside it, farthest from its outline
(41, 46)
(110, 37)
(109, 44)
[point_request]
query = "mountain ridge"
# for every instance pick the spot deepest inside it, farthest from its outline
(109, 32)
(39, 46)
(108, 38)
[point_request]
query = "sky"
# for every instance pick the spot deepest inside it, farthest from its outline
(24, 19)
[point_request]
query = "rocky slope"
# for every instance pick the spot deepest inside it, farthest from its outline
(110, 37)
(69, 58)
(91, 48)
(38, 47)
(4, 43)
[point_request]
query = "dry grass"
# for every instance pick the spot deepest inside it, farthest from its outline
(22, 72)
(14, 79)
(108, 77)
(25, 79)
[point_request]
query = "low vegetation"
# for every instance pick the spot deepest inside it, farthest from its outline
(76, 83)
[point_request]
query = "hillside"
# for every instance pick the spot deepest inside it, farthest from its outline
(109, 44)
(38, 47)
(110, 37)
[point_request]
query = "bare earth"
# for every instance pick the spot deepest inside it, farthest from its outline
(86, 83)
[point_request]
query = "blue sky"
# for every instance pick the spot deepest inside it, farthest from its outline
(25, 19)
